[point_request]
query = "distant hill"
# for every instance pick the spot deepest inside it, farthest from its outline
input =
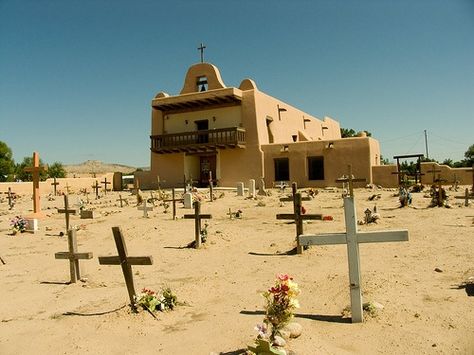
(98, 167)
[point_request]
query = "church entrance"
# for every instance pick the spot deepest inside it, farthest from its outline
(207, 164)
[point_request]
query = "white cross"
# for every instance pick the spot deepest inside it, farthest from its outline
(145, 209)
(352, 238)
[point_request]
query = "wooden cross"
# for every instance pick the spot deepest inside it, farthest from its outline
(105, 183)
(434, 171)
(66, 211)
(174, 200)
(145, 208)
(211, 186)
(159, 186)
(197, 216)
(10, 198)
(466, 197)
(352, 238)
(73, 256)
(440, 181)
(35, 172)
(121, 200)
(350, 179)
(96, 187)
(125, 262)
(401, 177)
(472, 171)
(294, 189)
(298, 217)
(201, 48)
(55, 183)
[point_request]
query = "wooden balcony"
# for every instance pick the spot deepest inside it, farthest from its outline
(198, 141)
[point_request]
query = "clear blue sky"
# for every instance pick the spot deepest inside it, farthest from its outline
(77, 77)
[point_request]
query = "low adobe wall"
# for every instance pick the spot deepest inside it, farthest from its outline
(75, 185)
(383, 175)
(462, 175)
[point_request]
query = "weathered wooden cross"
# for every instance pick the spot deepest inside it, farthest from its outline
(66, 211)
(145, 208)
(466, 197)
(440, 182)
(10, 198)
(96, 187)
(159, 186)
(125, 262)
(211, 183)
(122, 200)
(197, 216)
(352, 238)
(174, 200)
(298, 217)
(105, 183)
(350, 179)
(55, 184)
(73, 256)
(35, 172)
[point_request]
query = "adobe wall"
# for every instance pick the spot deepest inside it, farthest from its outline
(337, 154)
(382, 175)
(463, 175)
(75, 185)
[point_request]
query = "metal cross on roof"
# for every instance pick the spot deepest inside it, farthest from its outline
(201, 48)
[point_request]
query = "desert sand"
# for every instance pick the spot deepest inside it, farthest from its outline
(220, 285)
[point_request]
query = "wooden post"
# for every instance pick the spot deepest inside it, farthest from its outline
(466, 197)
(125, 262)
(197, 216)
(73, 256)
(66, 211)
(55, 183)
(96, 187)
(35, 172)
(10, 198)
(352, 238)
(211, 186)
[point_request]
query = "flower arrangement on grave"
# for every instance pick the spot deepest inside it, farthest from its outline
(280, 303)
(204, 232)
(18, 224)
(153, 301)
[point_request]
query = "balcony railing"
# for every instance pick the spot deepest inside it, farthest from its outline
(199, 141)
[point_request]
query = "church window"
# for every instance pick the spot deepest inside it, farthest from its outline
(282, 169)
(315, 168)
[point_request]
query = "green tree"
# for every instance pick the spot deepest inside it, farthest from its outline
(25, 176)
(7, 165)
(469, 155)
(56, 170)
(349, 132)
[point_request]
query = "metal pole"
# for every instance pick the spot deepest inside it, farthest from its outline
(426, 145)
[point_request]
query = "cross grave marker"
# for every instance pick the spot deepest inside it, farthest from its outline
(66, 211)
(122, 200)
(105, 183)
(434, 171)
(174, 200)
(197, 216)
(10, 198)
(73, 256)
(55, 184)
(96, 187)
(298, 217)
(350, 179)
(35, 172)
(125, 262)
(352, 238)
(145, 208)
(466, 197)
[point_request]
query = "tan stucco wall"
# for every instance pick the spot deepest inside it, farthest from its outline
(354, 151)
(382, 175)
(463, 175)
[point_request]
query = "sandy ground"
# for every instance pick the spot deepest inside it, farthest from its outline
(424, 311)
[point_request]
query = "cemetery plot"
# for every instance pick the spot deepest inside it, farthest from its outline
(197, 216)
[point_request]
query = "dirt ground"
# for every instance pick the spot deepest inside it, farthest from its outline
(425, 311)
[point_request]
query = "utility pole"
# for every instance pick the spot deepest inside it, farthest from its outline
(426, 145)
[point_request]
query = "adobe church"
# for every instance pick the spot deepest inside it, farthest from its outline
(241, 133)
